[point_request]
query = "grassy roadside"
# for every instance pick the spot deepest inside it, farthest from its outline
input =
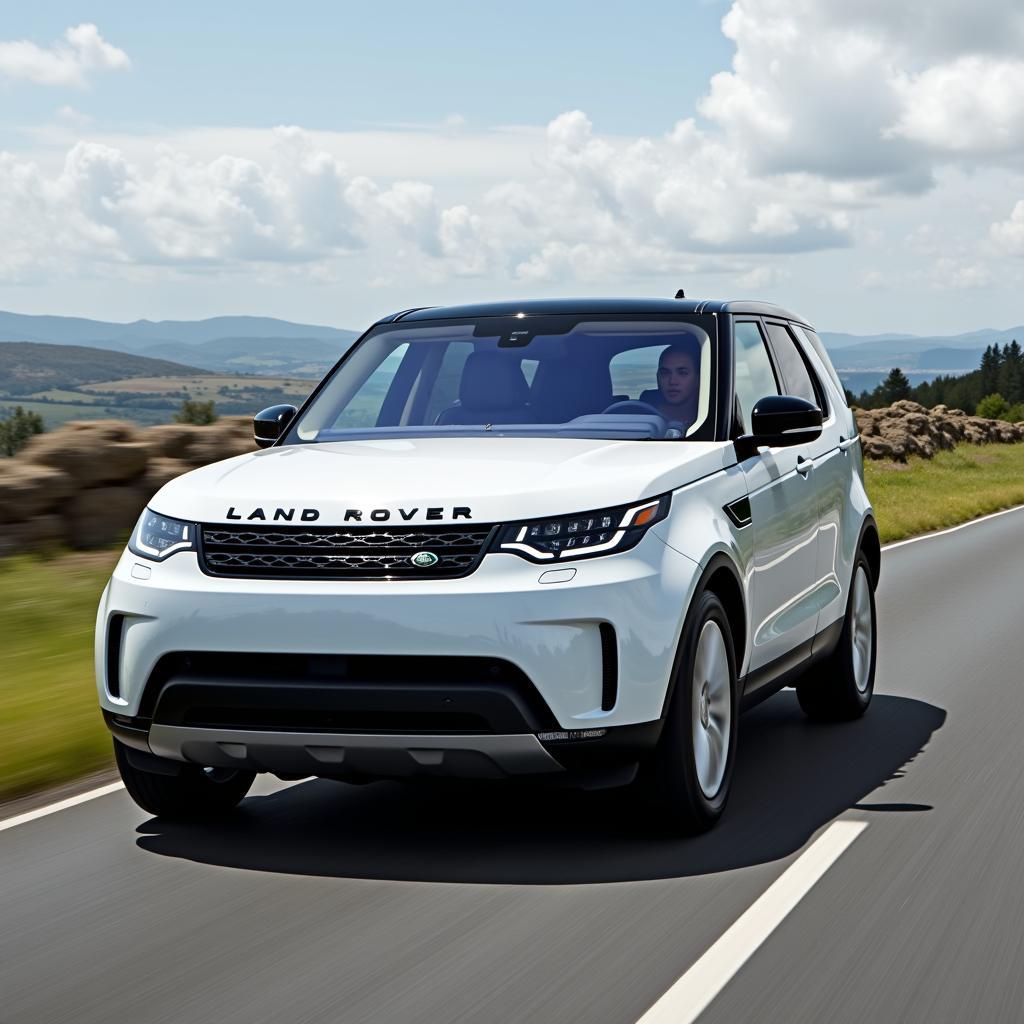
(50, 726)
(51, 730)
(924, 495)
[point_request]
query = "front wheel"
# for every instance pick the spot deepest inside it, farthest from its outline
(193, 793)
(839, 688)
(692, 769)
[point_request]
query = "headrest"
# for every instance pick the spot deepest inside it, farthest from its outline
(491, 380)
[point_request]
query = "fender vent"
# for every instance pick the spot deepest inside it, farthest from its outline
(115, 628)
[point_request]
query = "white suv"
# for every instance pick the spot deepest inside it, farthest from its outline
(565, 538)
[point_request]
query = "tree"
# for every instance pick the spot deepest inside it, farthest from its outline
(895, 387)
(1011, 374)
(993, 407)
(16, 427)
(991, 361)
(198, 413)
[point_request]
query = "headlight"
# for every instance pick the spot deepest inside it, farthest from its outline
(157, 537)
(585, 535)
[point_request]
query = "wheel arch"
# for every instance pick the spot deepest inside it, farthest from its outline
(721, 576)
(870, 543)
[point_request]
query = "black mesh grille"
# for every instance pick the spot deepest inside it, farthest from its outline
(342, 553)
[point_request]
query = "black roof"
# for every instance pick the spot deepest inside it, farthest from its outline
(572, 307)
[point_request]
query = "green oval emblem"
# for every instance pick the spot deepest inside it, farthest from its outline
(425, 559)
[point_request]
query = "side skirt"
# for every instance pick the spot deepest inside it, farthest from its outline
(767, 680)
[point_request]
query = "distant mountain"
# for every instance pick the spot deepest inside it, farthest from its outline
(28, 367)
(291, 357)
(232, 344)
(942, 354)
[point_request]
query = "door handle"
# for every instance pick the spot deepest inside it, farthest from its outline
(804, 466)
(846, 443)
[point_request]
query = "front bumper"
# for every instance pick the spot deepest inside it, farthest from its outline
(551, 632)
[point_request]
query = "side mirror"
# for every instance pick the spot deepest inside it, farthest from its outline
(270, 424)
(779, 421)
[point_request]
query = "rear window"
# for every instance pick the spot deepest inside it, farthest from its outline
(815, 342)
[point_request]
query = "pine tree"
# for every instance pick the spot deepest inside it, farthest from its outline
(895, 387)
(990, 361)
(1011, 374)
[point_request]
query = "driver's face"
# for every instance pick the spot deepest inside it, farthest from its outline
(677, 378)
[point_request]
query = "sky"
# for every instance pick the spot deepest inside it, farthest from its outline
(861, 164)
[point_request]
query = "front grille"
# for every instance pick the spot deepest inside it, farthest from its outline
(326, 552)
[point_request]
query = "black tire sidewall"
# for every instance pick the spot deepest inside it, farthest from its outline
(856, 696)
(677, 771)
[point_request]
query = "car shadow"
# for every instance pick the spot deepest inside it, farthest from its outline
(792, 777)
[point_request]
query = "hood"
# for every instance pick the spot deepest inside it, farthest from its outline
(438, 480)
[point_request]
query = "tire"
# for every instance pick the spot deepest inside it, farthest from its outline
(688, 781)
(193, 793)
(839, 688)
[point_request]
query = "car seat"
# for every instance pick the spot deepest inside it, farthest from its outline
(492, 390)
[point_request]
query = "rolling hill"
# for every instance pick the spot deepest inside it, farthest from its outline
(30, 367)
(223, 344)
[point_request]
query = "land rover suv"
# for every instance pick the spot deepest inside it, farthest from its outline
(565, 539)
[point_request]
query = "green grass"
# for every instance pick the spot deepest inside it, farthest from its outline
(50, 726)
(56, 414)
(924, 495)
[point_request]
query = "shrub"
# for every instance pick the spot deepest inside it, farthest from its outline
(198, 413)
(993, 407)
(16, 427)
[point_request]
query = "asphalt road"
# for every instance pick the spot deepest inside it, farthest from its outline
(333, 903)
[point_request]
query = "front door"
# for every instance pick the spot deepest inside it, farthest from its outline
(784, 511)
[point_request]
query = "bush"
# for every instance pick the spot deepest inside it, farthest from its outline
(198, 413)
(993, 407)
(16, 428)
(1015, 413)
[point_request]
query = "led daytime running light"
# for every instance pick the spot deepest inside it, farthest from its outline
(581, 536)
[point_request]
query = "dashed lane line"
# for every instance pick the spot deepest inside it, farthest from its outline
(684, 1002)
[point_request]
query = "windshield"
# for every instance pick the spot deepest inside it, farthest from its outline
(627, 377)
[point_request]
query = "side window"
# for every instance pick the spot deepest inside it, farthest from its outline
(754, 375)
(795, 375)
(815, 342)
(449, 374)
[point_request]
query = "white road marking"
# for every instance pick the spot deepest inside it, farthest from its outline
(61, 805)
(952, 529)
(691, 994)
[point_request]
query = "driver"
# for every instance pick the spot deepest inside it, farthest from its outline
(678, 383)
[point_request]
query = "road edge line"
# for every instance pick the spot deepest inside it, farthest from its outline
(60, 805)
(688, 997)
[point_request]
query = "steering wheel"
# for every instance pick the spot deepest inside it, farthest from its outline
(632, 405)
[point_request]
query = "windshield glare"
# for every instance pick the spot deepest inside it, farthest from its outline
(604, 377)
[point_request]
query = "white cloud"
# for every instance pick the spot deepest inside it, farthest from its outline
(67, 62)
(872, 91)
(1009, 234)
(973, 105)
(832, 115)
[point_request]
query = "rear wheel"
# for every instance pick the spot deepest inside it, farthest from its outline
(692, 769)
(839, 688)
(194, 792)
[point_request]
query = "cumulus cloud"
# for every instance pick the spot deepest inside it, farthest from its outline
(831, 111)
(1009, 234)
(68, 62)
(871, 91)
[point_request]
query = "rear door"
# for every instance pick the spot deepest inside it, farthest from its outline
(784, 516)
